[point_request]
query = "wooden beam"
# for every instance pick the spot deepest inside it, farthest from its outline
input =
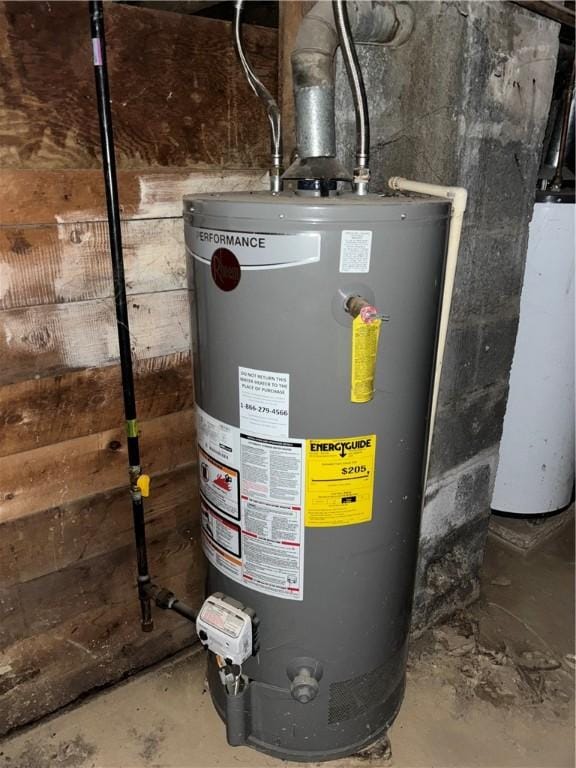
(49, 410)
(68, 607)
(48, 340)
(179, 96)
(52, 600)
(54, 539)
(57, 264)
(61, 473)
(557, 11)
(72, 196)
(90, 583)
(175, 6)
(42, 673)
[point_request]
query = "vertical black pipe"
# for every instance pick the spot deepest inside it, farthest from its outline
(109, 166)
(556, 183)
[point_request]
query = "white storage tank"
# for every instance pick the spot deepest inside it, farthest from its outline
(536, 468)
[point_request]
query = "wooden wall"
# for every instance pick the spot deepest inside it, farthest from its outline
(185, 121)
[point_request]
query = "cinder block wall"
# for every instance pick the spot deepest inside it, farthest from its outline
(464, 102)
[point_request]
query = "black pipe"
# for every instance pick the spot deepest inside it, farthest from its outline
(237, 714)
(147, 591)
(96, 10)
(168, 601)
(556, 183)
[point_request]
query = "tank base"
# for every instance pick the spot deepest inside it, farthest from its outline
(361, 747)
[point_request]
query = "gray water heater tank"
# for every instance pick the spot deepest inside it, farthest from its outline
(311, 501)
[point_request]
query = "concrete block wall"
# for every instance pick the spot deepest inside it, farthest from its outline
(464, 102)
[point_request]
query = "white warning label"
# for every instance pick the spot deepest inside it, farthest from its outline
(223, 532)
(217, 438)
(219, 484)
(264, 402)
(355, 249)
(227, 564)
(272, 515)
(252, 502)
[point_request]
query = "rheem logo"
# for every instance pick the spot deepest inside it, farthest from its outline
(225, 269)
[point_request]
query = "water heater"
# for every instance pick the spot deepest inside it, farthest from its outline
(312, 420)
(536, 464)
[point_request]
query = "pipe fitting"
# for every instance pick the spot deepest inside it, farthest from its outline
(405, 22)
(459, 195)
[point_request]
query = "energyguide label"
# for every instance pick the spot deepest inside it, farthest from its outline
(340, 481)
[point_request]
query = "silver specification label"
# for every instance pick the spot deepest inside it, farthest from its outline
(257, 250)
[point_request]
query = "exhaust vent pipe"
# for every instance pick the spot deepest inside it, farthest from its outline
(319, 35)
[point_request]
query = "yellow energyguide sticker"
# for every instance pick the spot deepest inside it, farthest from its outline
(365, 337)
(339, 481)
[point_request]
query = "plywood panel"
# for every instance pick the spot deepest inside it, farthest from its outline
(49, 410)
(57, 474)
(179, 96)
(48, 196)
(53, 339)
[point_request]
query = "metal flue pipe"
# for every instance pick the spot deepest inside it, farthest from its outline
(147, 591)
(323, 28)
(272, 109)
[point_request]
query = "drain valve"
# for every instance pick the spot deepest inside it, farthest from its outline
(305, 674)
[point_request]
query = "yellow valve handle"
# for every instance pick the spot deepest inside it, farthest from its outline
(143, 484)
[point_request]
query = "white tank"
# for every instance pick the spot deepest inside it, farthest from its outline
(536, 468)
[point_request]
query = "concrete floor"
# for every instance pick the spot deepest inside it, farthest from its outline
(491, 689)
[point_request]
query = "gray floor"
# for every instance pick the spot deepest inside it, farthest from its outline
(491, 689)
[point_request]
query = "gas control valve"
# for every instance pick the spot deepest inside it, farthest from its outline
(228, 628)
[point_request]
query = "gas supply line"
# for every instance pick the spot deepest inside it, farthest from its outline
(272, 109)
(148, 592)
